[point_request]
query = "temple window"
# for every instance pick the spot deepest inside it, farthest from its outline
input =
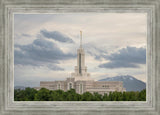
(80, 88)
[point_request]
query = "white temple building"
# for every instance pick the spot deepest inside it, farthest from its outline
(81, 81)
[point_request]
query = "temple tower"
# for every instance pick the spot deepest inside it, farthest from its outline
(80, 69)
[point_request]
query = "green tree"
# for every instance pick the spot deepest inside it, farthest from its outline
(119, 96)
(71, 95)
(105, 97)
(24, 95)
(19, 95)
(142, 95)
(42, 95)
(97, 97)
(30, 94)
(87, 96)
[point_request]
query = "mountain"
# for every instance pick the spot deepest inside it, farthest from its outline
(129, 82)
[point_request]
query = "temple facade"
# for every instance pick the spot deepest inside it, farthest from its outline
(81, 80)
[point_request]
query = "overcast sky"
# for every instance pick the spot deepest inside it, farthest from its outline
(45, 45)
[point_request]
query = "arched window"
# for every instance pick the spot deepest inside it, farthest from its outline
(70, 86)
(80, 88)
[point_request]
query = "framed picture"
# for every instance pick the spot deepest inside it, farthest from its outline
(81, 49)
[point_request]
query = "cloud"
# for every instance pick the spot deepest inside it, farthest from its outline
(97, 53)
(26, 35)
(56, 36)
(54, 67)
(40, 53)
(129, 57)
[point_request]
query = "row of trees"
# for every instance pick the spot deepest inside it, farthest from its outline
(30, 94)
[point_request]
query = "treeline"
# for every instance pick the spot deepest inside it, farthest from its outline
(30, 94)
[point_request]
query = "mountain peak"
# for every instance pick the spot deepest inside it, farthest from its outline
(129, 82)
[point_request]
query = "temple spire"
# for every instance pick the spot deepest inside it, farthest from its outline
(80, 39)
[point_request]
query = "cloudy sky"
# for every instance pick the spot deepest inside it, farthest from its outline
(45, 45)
